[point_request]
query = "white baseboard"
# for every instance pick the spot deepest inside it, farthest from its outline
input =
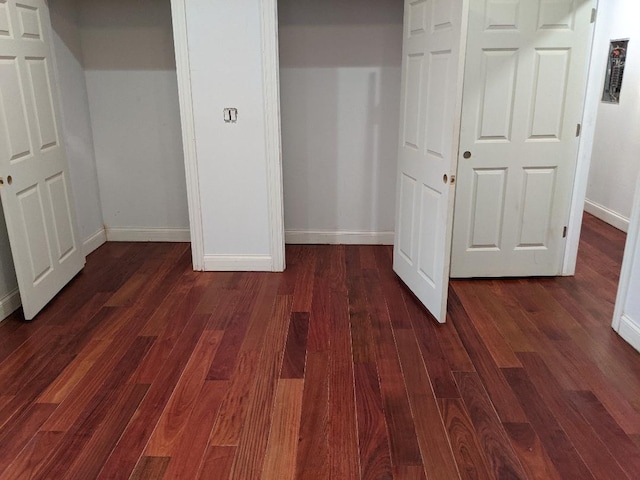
(94, 242)
(9, 304)
(630, 331)
(606, 215)
(238, 263)
(338, 238)
(148, 234)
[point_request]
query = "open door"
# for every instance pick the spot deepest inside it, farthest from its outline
(432, 67)
(524, 87)
(34, 179)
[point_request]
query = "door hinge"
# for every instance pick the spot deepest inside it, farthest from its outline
(594, 14)
(578, 129)
(564, 232)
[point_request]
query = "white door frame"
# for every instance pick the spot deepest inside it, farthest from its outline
(623, 322)
(585, 147)
(273, 146)
(183, 70)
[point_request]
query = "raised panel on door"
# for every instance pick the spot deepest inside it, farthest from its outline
(487, 218)
(40, 84)
(32, 217)
(431, 97)
(495, 113)
(525, 79)
(549, 93)
(537, 203)
(35, 191)
(5, 25)
(14, 126)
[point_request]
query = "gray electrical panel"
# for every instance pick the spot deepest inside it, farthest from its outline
(615, 71)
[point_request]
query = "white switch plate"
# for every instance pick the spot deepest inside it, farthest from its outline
(230, 115)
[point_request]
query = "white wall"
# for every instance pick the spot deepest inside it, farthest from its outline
(76, 119)
(226, 71)
(129, 64)
(340, 70)
(615, 162)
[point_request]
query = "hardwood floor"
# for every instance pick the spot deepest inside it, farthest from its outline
(144, 369)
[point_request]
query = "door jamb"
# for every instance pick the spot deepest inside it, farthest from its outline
(585, 147)
(272, 131)
(183, 70)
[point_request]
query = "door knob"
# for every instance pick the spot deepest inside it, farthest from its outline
(467, 154)
(9, 180)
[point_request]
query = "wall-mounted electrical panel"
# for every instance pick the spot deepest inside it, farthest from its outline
(615, 71)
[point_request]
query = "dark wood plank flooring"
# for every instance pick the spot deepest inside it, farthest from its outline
(144, 369)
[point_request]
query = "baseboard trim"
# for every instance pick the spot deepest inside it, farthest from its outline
(630, 331)
(606, 215)
(238, 263)
(9, 304)
(148, 234)
(308, 237)
(94, 242)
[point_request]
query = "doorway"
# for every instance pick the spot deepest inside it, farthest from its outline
(340, 73)
(119, 121)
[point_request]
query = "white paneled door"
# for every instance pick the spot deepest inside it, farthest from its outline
(34, 177)
(524, 85)
(430, 106)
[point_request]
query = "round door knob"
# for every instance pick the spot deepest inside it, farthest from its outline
(9, 180)
(467, 154)
(445, 179)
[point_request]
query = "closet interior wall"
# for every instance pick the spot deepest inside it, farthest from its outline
(340, 74)
(130, 72)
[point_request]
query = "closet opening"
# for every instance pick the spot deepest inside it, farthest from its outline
(121, 53)
(104, 86)
(340, 74)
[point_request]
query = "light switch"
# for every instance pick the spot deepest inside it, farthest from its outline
(230, 115)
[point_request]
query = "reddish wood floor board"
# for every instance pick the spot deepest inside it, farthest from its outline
(141, 368)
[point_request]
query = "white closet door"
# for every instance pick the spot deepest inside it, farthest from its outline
(429, 133)
(524, 87)
(34, 185)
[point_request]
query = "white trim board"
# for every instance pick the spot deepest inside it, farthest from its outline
(629, 331)
(239, 263)
(629, 328)
(606, 215)
(272, 133)
(94, 242)
(306, 237)
(183, 70)
(9, 303)
(147, 234)
(585, 146)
